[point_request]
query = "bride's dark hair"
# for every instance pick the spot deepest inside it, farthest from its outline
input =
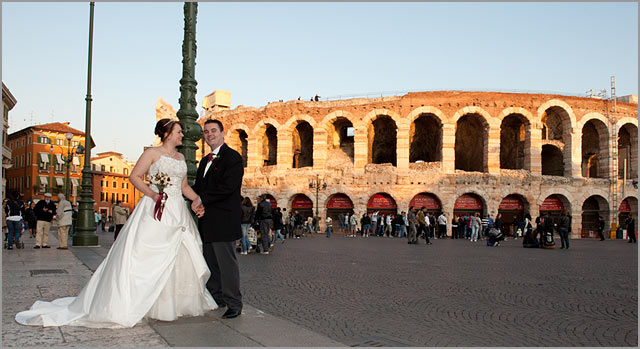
(165, 126)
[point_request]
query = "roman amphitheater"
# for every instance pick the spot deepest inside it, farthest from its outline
(452, 152)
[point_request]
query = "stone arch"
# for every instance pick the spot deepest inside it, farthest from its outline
(340, 130)
(488, 119)
(517, 110)
(238, 136)
(266, 135)
(414, 114)
(558, 123)
(633, 209)
(425, 137)
(301, 143)
(555, 191)
(331, 117)
(472, 141)
(592, 116)
(515, 141)
(370, 199)
(480, 194)
(376, 113)
(561, 104)
(595, 149)
(429, 193)
(291, 123)
(592, 207)
(628, 150)
(382, 135)
(591, 192)
(552, 160)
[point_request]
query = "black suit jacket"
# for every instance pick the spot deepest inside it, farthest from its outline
(220, 194)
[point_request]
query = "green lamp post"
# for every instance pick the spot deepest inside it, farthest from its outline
(86, 227)
(187, 113)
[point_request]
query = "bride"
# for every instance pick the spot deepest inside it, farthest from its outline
(155, 268)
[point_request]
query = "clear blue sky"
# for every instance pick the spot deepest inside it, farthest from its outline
(263, 52)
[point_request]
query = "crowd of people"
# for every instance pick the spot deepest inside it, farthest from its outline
(35, 219)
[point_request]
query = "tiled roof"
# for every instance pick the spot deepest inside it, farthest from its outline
(58, 127)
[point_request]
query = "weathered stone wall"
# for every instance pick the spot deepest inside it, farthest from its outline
(347, 165)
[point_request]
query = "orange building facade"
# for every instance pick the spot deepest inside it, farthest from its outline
(38, 155)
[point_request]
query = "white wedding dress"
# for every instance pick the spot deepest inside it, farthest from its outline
(154, 269)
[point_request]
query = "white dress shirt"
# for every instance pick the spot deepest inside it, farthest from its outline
(214, 152)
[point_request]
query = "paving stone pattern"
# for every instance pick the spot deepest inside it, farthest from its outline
(452, 293)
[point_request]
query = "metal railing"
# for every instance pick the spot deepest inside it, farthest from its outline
(404, 92)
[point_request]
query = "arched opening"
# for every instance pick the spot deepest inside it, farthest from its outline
(427, 200)
(468, 205)
(552, 161)
(340, 142)
(302, 145)
(238, 142)
(628, 206)
(270, 146)
(595, 150)
(383, 203)
(303, 205)
(382, 141)
(513, 208)
(593, 207)
(554, 205)
(425, 137)
(556, 130)
(472, 134)
(338, 206)
(628, 151)
(513, 142)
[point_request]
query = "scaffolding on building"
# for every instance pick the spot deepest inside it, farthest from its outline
(614, 160)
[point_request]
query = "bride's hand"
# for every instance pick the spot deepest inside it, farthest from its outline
(156, 196)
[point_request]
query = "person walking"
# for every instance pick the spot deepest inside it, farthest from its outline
(413, 221)
(96, 218)
(246, 219)
(13, 214)
(63, 217)
(374, 222)
(329, 223)
(423, 225)
(277, 226)
(631, 228)
(366, 228)
(563, 229)
(601, 228)
(264, 217)
(442, 225)
(103, 221)
(119, 218)
(389, 227)
(44, 212)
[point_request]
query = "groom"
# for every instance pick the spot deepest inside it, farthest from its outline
(218, 183)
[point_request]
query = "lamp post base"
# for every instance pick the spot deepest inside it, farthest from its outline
(85, 240)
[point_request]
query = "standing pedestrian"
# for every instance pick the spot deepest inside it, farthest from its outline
(44, 212)
(31, 219)
(413, 221)
(63, 217)
(265, 219)
(96, 218)
(422, 224)
(442, 225)
(631, 228)
(354, 224)
(366, 228)
(347, 224)
(119, 218)
(13, 214)
(601, 228)
(476, 224)
(374, 222)
(246, 219)
(389, 227)
(103, 220)
(563, 229)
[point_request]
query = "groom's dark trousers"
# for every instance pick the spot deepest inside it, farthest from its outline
(219, 189)
(224, 287)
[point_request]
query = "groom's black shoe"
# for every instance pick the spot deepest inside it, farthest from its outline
(231, 313)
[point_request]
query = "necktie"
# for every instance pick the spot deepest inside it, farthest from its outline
(210, 157)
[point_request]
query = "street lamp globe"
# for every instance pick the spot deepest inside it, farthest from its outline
(68, 135)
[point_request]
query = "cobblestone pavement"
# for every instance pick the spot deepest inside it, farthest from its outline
(369, 291)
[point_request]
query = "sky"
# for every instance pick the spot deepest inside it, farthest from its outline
(264, 52)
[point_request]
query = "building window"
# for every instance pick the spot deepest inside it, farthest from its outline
(122, 185)
(101, 196)
(125, 171)
(127, 185)
(115, 185)
(102, 168)
(29, 140)
(29, 159)
(28, 183)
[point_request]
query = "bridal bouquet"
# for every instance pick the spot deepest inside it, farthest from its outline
(161, 180)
